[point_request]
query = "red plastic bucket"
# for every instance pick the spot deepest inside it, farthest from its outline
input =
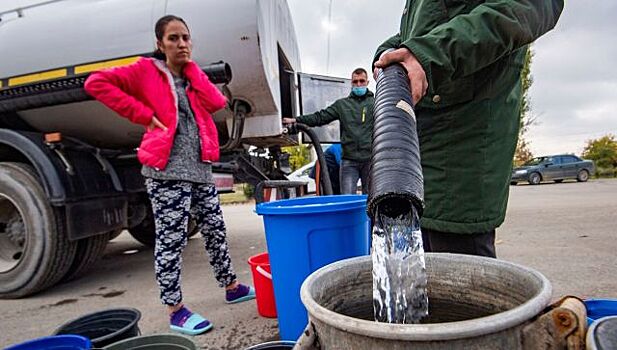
(262, 280)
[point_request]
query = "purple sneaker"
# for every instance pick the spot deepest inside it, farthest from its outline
(187, 322)
(239, 294)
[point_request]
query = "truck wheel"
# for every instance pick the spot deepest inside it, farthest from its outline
(34, 248)
(582, 176)
(89, 250)
(534, 178)
(144, 232)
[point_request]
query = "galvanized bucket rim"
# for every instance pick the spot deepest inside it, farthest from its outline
(429, 332)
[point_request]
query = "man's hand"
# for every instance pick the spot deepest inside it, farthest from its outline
(415, 72)
(289, 120)
(156, 123)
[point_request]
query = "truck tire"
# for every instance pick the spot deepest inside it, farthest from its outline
(89, 250)
(35, 252)
(534, 178)
(144, 231)
(582, 176)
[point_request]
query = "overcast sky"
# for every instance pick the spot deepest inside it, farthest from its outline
(574, 94)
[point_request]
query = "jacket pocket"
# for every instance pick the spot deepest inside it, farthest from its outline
(153, 146)
(450, 93)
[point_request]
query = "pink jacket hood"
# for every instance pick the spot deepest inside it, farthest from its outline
(145, 89)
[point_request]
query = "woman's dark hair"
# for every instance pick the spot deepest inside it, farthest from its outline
(159, 32)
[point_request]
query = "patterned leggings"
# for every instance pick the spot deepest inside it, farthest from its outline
(173, 202)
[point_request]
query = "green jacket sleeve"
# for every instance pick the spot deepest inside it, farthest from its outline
(392, 43)
(322, 117)
(469, 42)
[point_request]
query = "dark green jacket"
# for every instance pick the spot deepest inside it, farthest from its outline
(472, 52)
(356, 123)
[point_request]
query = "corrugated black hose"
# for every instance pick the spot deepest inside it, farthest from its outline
(396, 183)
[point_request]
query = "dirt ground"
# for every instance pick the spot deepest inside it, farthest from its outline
(566, 231)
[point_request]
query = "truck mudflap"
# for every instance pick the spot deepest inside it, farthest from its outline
(103, 215)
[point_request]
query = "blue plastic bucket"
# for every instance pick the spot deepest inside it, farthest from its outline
(598, 308)
(56, 342)
(303, 235)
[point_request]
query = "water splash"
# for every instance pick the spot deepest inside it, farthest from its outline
(399, 270)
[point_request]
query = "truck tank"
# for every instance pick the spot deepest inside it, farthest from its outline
(69, 177)
(57, 42)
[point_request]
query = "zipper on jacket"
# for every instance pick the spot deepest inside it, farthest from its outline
(363, 114)
(170, 80)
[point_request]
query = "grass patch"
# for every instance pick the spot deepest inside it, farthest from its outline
(237, 196)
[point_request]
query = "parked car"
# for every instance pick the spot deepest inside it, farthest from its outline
(302, 174)
(553, 168)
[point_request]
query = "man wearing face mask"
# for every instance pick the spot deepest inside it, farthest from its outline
(355, 113)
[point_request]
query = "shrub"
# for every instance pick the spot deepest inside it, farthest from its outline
(606, 172)
(249, 190)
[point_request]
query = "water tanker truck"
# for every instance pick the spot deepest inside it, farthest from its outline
(69, 176)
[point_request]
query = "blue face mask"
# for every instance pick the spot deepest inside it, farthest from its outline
(359, 90)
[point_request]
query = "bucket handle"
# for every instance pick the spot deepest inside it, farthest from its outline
(263, 272)
(308, 339)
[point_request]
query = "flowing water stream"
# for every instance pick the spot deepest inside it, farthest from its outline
(399, 270)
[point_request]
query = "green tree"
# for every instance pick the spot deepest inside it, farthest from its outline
(298, 156)
(602, 151)
(523, 153)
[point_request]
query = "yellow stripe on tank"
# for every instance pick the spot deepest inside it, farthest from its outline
(31, 78)
(86, 68)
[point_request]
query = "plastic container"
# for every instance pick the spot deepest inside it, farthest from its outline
(56, 342)
(104, 327)
(598, 308)
(303, 235)
(274, 345)
(155, 342)
(262, 280)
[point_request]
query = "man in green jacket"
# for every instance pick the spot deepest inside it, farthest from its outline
(355, 113)
(464, 59)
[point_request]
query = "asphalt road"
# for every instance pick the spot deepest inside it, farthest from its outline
(566, 231)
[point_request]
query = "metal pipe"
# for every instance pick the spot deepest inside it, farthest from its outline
(218, 73)
(240, 110)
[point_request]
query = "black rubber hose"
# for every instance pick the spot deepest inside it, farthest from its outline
(396, 182)
(70, 90)
(325, 176)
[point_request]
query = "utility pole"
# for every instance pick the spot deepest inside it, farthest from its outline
(329, 34)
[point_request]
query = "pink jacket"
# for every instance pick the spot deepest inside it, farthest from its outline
(145, 89)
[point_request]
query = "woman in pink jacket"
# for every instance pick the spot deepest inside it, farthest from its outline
(174, 100)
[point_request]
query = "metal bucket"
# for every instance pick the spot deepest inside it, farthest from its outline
(474, 303)
(274, 345)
